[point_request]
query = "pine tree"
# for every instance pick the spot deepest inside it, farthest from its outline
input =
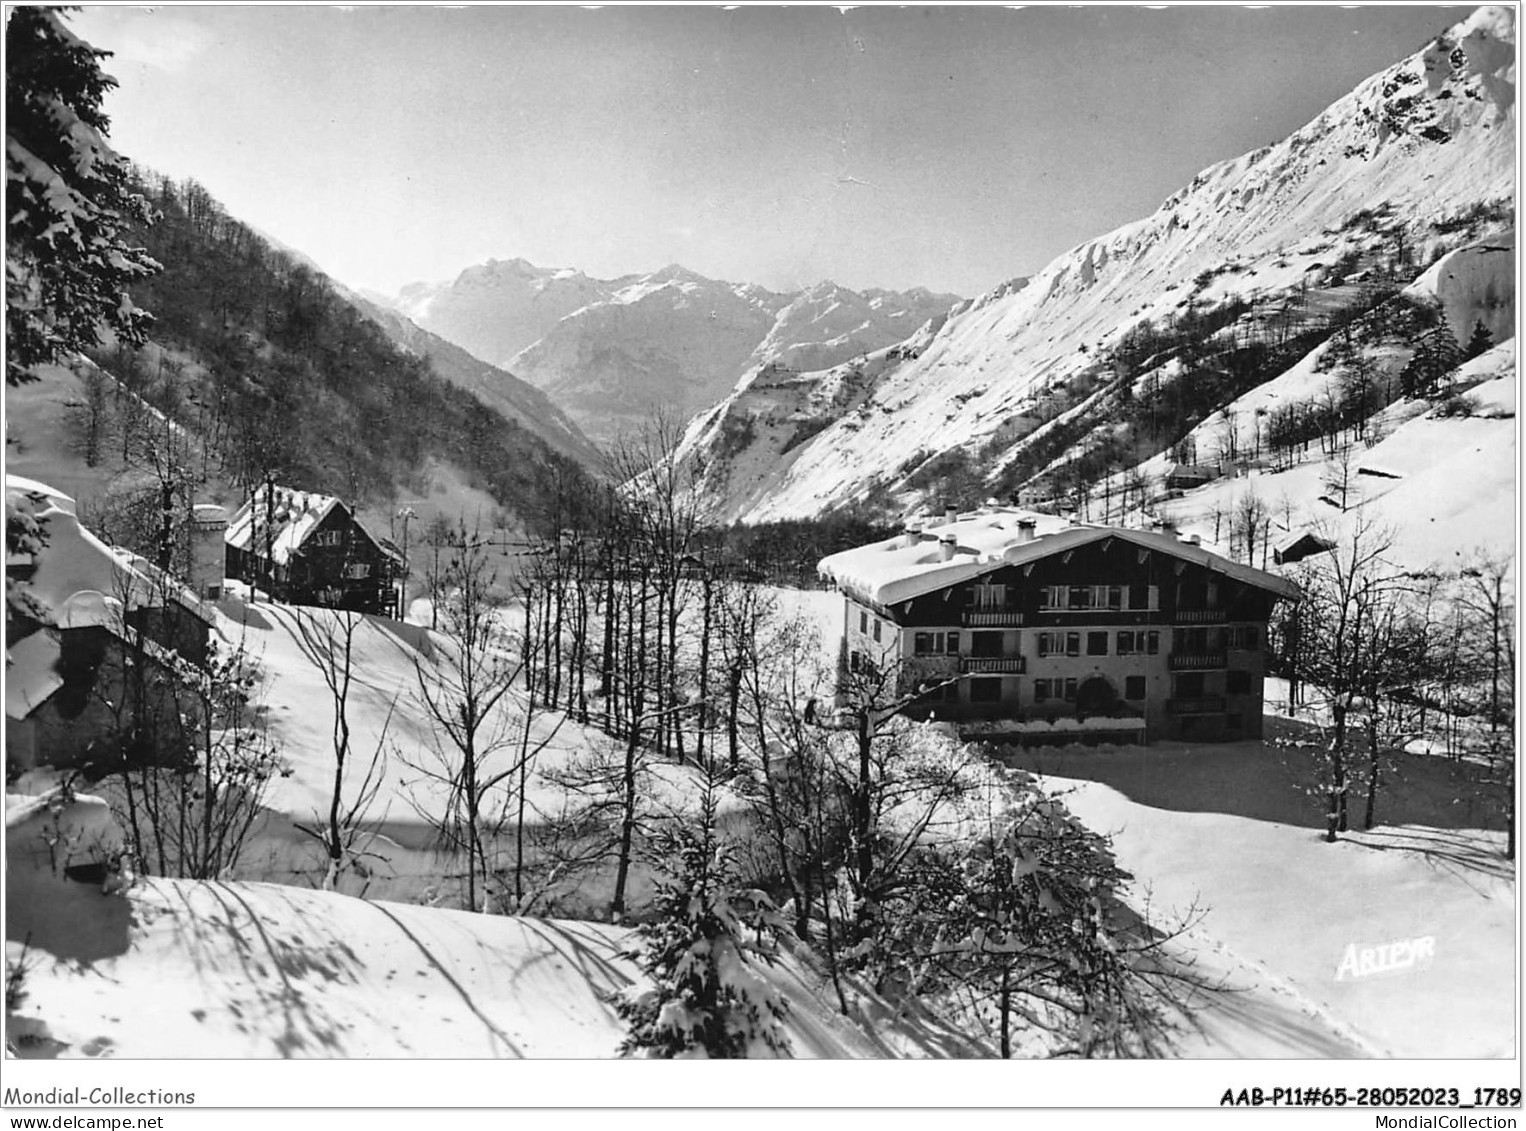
(1436, 355)
(1480, 342)
(706, 997)
(68, 204)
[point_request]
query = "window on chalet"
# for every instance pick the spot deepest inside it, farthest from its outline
(986, 643)
(1042, 690)
(1134, 687)
(1144, 597)
(1139, 642)
(1244, 637)
(1197, 595)
(863, 621)
(877, 623)
(935, 644)
(1069, 690)
(1059, 644)
(989, 597)
(1096, 644)
(985, 690)
(1082, 598)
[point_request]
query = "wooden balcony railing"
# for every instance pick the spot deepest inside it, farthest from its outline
(1199, 616)
(1008, 665)
(990, 618)
(1197, 661)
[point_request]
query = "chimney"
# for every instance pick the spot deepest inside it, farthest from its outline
(209, 523)
(1026, 528)
(950, 512)
(1195, 539)
(947, 545)
(910, 535)
(1166, 526)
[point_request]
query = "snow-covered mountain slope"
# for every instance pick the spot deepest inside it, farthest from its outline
(516, 399)
(1416, 161)
(1438, 484)
(671, 341)
(616, 352)
(497, 308)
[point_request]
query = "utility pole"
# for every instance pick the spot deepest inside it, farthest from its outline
(270, 535)
(402, 597)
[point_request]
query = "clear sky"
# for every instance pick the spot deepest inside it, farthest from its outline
(948, 147)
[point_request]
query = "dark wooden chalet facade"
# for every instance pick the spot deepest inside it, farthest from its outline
(1025, 624)
(304, 548)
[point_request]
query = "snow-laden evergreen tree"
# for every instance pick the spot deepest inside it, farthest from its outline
(68, 204)
(1480, 342)
(705, 996)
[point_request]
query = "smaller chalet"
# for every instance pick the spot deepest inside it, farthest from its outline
(94, 641)
(1300, 544)
(1189, 476)
(304, 548)
(1026, 624)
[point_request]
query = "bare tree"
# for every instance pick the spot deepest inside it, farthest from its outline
(1345, 592)
(327, 639)
(1487, 593)
(465, 691)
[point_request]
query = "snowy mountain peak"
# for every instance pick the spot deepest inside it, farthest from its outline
(1416, 161)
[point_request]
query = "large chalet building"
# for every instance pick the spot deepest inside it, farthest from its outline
(1029, 625)
(304, 548)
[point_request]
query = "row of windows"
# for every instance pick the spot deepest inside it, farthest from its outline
(1143, 642)
(1078, 598)
(1130, 642)
(989, 690)
(1045, 690)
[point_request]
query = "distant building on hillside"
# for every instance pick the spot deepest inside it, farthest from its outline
(1298, 545)
(1189, 476)
(304, 548)
(91, 666)
(1028, 624)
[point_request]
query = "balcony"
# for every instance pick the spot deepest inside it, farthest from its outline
(992, 618)
(1199, 616)
(1209, 705)
(993, 665)
(1197, 661)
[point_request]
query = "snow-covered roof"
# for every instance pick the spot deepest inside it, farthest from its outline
(898, 569)
(296, 515)
(31, 673)
(82, 579)
(1295, 536)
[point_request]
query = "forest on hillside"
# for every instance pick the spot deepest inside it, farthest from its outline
(277, 373)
